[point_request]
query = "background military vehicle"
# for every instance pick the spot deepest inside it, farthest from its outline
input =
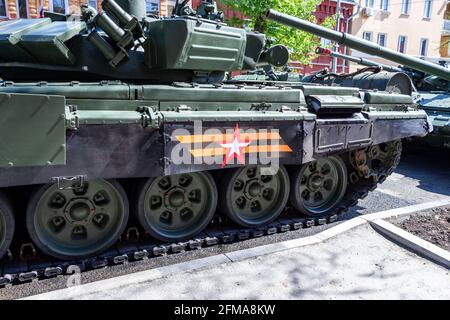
(118, 112)
(430, 79)
(431, 94)
(377, 76)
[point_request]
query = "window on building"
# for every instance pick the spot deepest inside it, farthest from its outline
(382, 39)
(2, 8)
(401, 44)
(423, 47)
(152, 6)
(93, 4)
(384, 5)
(23, 9)
(59, 6)
(406, 4)
(427, 6)
(367, 35)
(369, 3)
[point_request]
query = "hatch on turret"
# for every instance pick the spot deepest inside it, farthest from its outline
(46, 44)
(38, 40)
(11, 32)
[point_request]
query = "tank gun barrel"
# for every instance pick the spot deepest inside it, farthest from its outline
(359, 44)
(360, 61)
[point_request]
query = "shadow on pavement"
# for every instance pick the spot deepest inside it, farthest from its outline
(430, 166)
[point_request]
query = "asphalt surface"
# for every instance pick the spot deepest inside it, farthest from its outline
(338, 268)
(421, 177)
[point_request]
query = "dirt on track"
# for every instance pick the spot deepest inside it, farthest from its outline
(433, 226)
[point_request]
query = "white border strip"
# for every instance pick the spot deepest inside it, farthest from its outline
(406, 210)
(412, 242)
(194, 265)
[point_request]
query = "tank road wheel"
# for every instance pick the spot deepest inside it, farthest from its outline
(176, 208)
(251, 199)
(78, 223)
(6, 225)
(318, 187)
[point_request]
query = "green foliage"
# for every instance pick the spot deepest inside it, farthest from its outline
(301, 44)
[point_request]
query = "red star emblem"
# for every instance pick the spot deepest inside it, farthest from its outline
(234, 149)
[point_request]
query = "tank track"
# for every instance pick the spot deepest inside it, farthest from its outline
(28, 264)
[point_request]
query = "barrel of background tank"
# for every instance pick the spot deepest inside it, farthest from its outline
(136, 8)
(359, 44)
(361, 61)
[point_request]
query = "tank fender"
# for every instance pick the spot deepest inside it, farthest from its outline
(33, 130)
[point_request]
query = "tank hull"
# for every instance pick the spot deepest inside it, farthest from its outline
(437, 106)
(109, 138)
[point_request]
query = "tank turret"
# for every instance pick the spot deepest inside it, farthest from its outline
(121, 43)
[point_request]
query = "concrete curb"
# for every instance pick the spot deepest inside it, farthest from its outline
(412, 242)
(295, 243)
(405, 210)
(195, 265)
(334, 231)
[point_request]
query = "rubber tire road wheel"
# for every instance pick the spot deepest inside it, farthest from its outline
(278, 187)
(317, 180)
(161, 229)
(121, 223)
(7, 224)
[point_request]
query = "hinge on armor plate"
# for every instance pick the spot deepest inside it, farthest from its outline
(70, 183)
(72, 118)
(148, 117)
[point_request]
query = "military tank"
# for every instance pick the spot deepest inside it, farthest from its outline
(117, 112)
(429, 81)
(430, 92)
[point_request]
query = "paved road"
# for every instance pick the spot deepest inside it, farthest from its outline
(421, 177)
(339, 268)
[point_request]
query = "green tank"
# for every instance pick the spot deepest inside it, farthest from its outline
(116, 115)
(429, 81)
(431, 93)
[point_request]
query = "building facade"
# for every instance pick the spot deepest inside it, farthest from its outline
(445, 37)
(327, 9)
(14, 9)
(414, 27)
